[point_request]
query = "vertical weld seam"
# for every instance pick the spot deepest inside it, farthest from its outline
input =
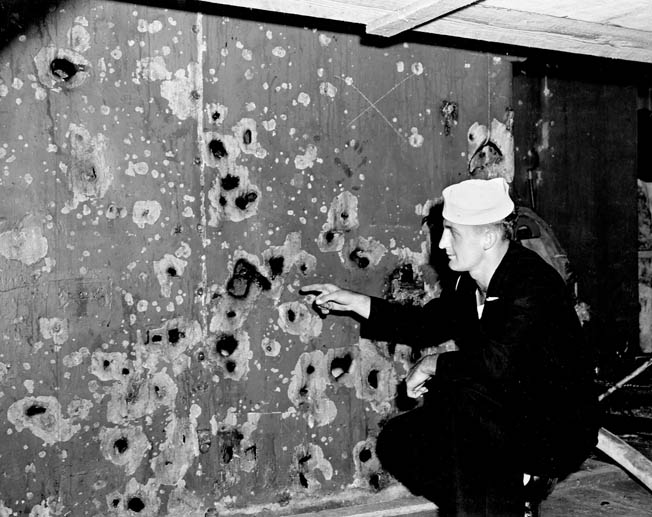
(199, 85)
(489, 90)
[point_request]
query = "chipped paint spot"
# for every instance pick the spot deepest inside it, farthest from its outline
(146, 212)
(152, 69)
(271, 348)
(89, 175)
(24, 243)
(177, 453)
(306, 160)
(417, 68)
(303, 99)
(279, 52)
(324, 40)
(415, 139)
(178, 91)
(55, 329)
(328, 89)
(42, 416)
(80, 39)
(140, 168)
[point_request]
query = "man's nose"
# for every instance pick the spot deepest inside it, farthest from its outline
(443, 242)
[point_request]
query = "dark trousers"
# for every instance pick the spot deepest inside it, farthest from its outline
(454, 451)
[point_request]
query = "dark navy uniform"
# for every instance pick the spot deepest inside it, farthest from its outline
(518, 397)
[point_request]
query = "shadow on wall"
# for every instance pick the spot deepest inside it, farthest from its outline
(18, 15)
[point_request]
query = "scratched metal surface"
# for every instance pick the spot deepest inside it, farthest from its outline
(169, 180)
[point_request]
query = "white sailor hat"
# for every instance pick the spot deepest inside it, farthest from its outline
(477, 201)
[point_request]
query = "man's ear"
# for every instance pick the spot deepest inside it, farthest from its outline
(490, 238)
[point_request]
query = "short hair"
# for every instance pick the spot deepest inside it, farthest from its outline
(506, 226)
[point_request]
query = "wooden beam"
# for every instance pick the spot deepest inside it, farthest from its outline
(414, 14)
(526, 29)
(484, 23)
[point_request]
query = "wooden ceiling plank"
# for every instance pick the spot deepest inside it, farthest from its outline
(340, 10)
(533, 30)
(485, 23)
(414, 14)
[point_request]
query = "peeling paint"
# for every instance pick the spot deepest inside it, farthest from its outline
(25, 243)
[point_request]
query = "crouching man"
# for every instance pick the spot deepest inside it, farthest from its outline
(516, 396)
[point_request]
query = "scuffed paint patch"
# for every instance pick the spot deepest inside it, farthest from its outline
(146, 212)
(140, 394)
(136, 499)
(42, 416)
(55, 329)
(296, 319)
(167, 270)
(307, 159)
(179, 450)
(342, 217)
(307, 389)
(279, 52)
(311, 466)
(415, 139)
(271, 348)
(124, 447)
(24, 243)
(140, 168)
(4, 370)
(89, 176)
(303, 99)
(75, 358)
(184, 502)
(179, 91)
(152, 69)
(328, 89)
(79, 38)
(324, 40)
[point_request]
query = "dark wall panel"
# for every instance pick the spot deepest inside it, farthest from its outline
(580, 122)
(169, 180)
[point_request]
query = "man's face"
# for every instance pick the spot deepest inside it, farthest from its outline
(463, 245)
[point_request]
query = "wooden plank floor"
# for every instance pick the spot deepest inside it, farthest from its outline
(598, 489)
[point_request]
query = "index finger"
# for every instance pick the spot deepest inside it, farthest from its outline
(316, 288)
